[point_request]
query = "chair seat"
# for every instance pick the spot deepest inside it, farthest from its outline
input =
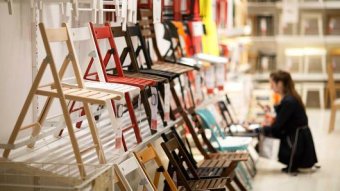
(209, 184)
(233, 143)
(191, 62)
(211, 58)
(156, 78)
(138, 82)
(79, 94)
(116, 88)
(166, 74)
(175, 68)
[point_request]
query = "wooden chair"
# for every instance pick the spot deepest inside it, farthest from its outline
(335, 102)
(134, 31)
(83, 34)
(104, 33)
(188, 177)
(148, 33)
(62, 92)
(206, 167)
(131, 168)
(148, 155)
(132, 69)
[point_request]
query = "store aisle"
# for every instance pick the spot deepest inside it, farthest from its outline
(270, 178)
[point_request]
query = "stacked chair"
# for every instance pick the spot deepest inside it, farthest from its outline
(163, 94)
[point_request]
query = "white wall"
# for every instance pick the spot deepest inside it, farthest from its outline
(15, 63)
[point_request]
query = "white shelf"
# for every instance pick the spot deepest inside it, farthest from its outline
(296, 39)
(302, 5)
(239, 31)
(298, 77)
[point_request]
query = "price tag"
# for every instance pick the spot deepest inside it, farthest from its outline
(220, 76)
(263, 25)
(197, 29)
(124, 14)
(119, 131)
(167, 97)
(154, 105)
(157, 11)
(210, 80)
(198, 86)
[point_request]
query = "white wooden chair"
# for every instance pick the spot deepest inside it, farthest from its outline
(140, 182)
(126, 91)
(61, 91)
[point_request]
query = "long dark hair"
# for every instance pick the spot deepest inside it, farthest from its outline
(288, 84)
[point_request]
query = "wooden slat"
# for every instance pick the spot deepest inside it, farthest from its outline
(57, 35)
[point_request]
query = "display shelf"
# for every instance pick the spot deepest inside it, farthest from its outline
(311, 77)
(302, 5)
(234, 32)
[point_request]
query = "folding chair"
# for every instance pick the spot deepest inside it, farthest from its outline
(132, 69)
(83, 34)
(63, 92)
(132, 177)
(148, 34)
(104, 33)
(226, 143)
(213, 168)
(186, 173)
(148, 155)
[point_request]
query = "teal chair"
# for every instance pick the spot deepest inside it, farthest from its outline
(226, 143)
(218, 138)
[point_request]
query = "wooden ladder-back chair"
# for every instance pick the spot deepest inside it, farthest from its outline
(335, 102)
(63, 92)
(186, 173)
(104, 33)
(207, 167)
(83, 34)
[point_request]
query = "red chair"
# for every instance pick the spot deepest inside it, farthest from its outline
(104, 33)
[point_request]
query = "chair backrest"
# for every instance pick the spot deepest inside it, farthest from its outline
(128, 171)
(148, 31)
(61, 35)
(178, 158)
(84, 34)
(128, 49)
(149, 154)
(135, 31)
(105, 33)
(183, 33)
(181, 140)
(175, 50)
(209, 122)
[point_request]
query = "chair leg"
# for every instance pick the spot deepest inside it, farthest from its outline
(133, 117)
(230, 187)
(239, 183)
(332, 119)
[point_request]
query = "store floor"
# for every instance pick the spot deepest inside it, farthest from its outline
(327, 178)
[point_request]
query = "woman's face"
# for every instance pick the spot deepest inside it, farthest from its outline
(276, 87)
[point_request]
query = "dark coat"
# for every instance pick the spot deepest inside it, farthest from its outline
(291, 127)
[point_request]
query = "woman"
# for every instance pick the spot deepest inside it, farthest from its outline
(290, 126)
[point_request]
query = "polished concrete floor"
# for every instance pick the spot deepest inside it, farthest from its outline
(270, 178)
